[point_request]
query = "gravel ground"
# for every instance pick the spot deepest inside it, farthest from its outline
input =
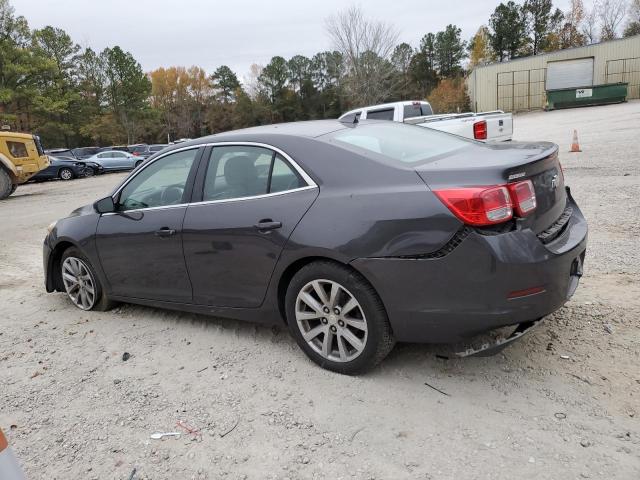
(564, 402)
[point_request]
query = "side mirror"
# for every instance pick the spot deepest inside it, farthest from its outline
(105, 205)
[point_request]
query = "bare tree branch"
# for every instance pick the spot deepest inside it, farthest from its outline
(366, 47)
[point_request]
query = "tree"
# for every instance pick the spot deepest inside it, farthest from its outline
(422, 68)
(611, 13)
(479, 48)
(633, 25)
(225, 82)
(128, 88)
(449, 51)
(449, 96)
(507, 26)
(566, 33)
(59, 103)
(366, 47)
(590, 24)
(537, 14)
(401, 60)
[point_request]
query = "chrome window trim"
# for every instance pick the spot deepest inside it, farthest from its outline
(310, 183)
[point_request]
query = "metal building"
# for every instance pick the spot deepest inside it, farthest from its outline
(521, 84)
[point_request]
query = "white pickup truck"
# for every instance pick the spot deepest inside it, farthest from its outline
(495, 126)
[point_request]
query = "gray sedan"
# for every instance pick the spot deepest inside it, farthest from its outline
(113, 160)
(355, 235)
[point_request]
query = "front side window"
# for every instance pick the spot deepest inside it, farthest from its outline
(241, 171)
(17, 149)
(162, 183)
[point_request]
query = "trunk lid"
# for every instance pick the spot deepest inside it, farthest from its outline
(498, 164)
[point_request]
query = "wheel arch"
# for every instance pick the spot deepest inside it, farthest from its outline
(54, 276)
(295, 266)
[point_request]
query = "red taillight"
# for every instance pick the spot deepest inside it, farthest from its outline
(478, 205)
(523, 196)
(489, 205)
(480, 130)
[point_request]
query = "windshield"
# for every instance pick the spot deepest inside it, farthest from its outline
(398, 142)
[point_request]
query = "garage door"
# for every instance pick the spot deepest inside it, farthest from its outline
(570, 73)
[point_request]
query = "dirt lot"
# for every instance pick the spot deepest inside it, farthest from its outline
(562, 403)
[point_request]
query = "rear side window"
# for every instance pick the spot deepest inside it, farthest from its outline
(284, 177)
(417, 110)
(17, 149)
(241, 171)
(397, 142)
(386, 114)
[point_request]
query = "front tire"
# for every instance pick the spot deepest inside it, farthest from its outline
(65, 174)
(138, 163)
(6, 185)
(337, 318)
(89, 172)
(81, 283)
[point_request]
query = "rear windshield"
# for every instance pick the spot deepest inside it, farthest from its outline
(139, 148)
(417, 110)
(398, 142)
(156, 148)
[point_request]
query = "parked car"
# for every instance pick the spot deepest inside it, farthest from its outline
(155, 148)
(354, 235)
(92, 168)
(61, 152)
(148, 150)
(112, 160)
(85, 152)
(61, 168)
(121, 148)
(141, 150)
(495, 126)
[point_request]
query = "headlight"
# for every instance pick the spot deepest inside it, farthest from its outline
(51, 226)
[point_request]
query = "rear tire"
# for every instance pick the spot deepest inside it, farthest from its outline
(65, 174)
(6, 185)
(74, 263)
(349, 342)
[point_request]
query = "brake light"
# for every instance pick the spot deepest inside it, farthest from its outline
(523, 196)
(478, 205)
(480, 130)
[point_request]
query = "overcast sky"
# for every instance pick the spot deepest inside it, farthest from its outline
(237, 33)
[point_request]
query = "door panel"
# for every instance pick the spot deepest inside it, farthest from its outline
(229, 260)
(140, 246)
(141, 261)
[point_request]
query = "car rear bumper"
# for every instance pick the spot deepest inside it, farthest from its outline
(485, 282)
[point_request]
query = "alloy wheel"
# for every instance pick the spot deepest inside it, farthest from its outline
(331, 320)
(79, 283)
(88, 172)
(66, 174)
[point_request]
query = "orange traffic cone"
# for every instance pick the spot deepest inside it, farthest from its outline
(575, 146)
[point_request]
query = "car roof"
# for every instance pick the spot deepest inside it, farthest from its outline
(309, 128)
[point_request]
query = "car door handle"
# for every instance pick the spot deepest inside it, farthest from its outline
(165, 232)
(267, 224)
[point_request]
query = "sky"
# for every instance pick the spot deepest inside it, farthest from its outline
(237, 33)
